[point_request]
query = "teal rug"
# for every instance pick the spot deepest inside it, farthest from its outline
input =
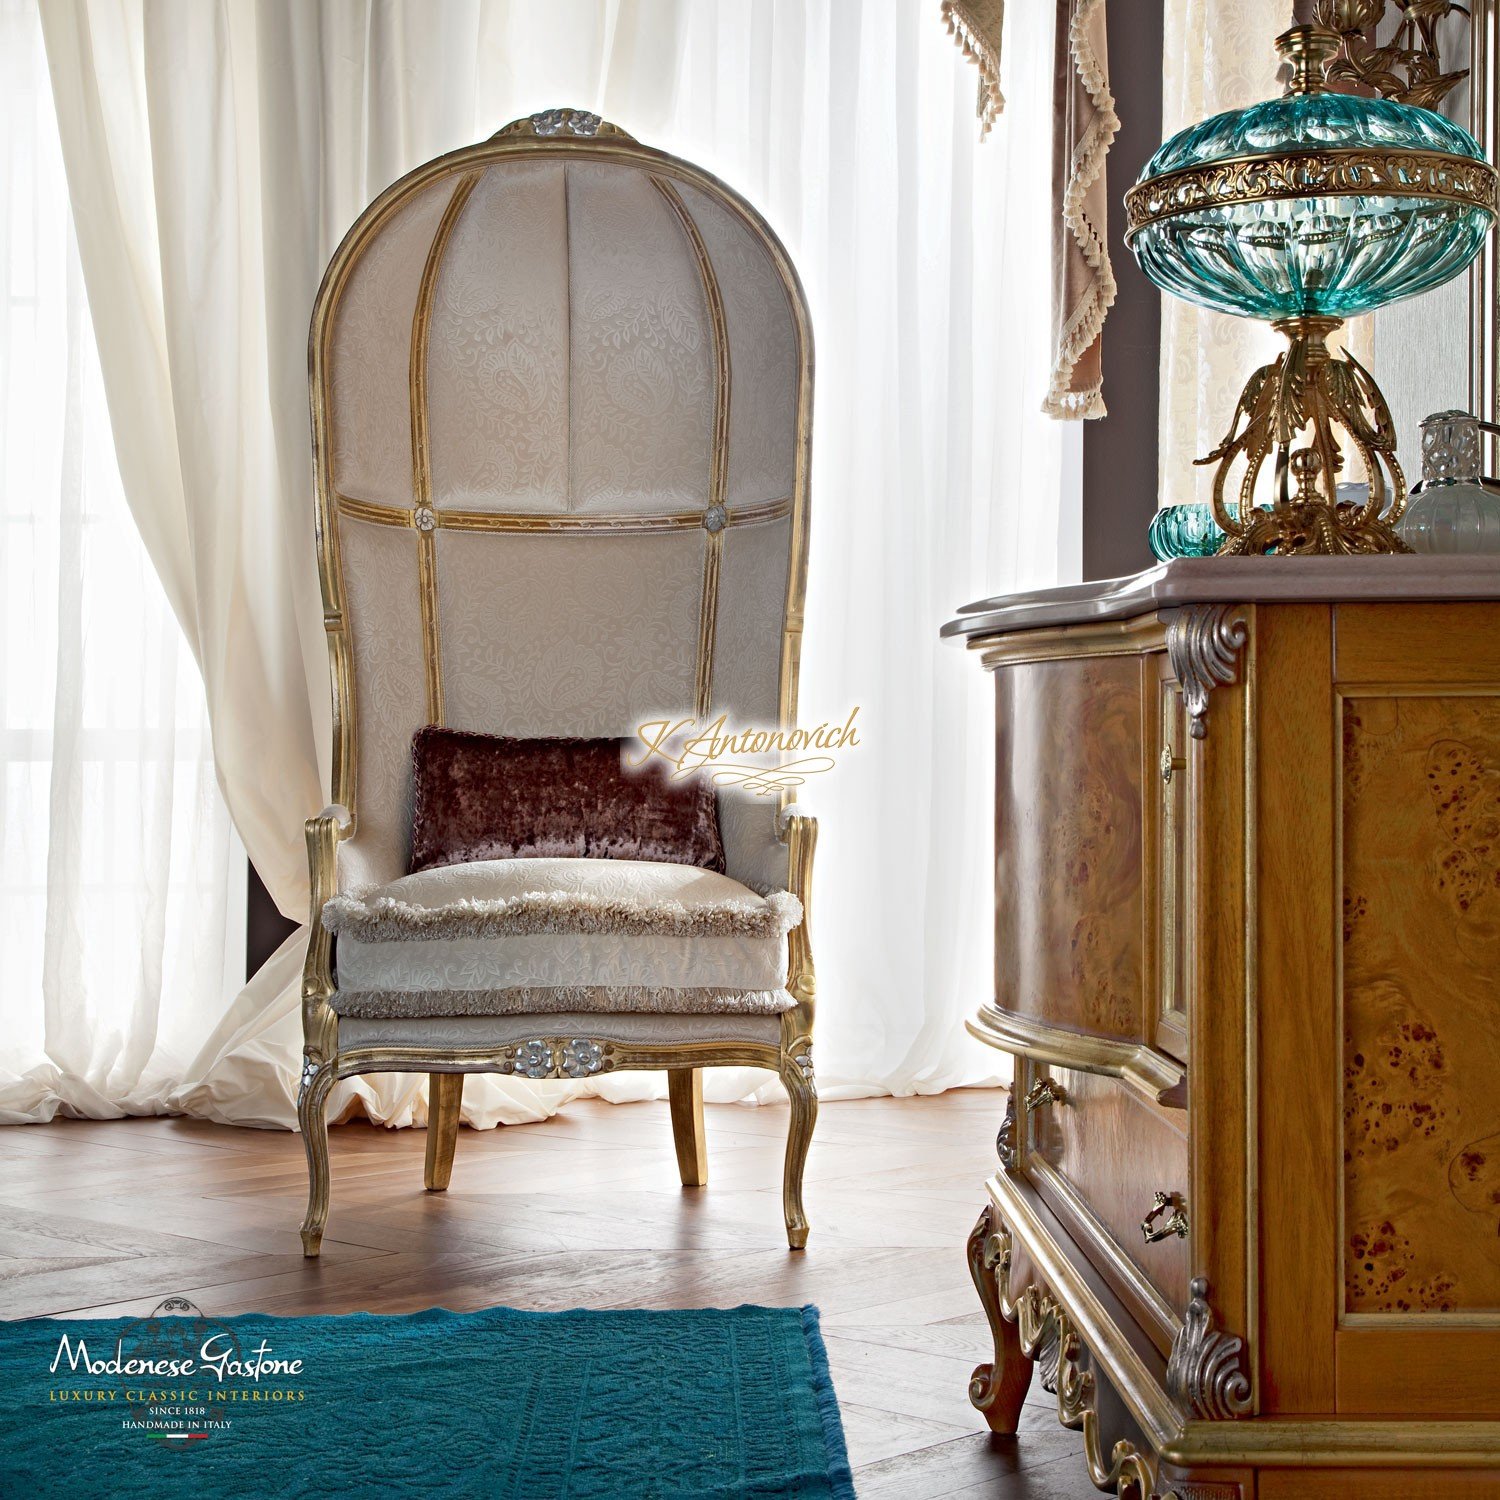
(583, 1405)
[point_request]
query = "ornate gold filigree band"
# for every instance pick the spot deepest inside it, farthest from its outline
(1311, 174)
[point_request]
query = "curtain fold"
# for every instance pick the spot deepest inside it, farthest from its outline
(120, 907)
(215, 153)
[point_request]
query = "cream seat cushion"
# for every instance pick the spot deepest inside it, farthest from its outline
(553, 936)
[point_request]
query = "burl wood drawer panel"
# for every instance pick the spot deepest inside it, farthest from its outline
(1421, 1002)
(1113, 1152)
(1069, 901)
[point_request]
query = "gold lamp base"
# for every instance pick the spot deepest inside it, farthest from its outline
(1290, 410)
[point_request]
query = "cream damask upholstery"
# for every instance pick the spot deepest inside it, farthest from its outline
(569, 502)
(561, 390)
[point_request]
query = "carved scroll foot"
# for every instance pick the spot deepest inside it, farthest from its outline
(312, 1119)
(445, 1097)
(997, 1390)
(797, 1075)
(685, 1098)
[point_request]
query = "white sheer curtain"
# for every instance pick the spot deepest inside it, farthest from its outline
(121, 892)
(216, 151)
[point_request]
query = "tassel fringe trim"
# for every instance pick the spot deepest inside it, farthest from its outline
(1084, 169)
(369, 918)
(983, 51)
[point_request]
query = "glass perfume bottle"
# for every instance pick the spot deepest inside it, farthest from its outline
(1454, 508)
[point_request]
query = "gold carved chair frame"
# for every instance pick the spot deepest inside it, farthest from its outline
(573, 136)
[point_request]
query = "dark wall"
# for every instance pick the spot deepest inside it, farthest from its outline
(265, 928)
(1120, 450)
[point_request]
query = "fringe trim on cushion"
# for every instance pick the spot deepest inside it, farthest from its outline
(376, 919)
(606, 998)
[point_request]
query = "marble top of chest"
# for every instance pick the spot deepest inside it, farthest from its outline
(1233, 580)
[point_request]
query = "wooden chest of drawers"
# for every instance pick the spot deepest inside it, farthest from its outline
(1247, 917)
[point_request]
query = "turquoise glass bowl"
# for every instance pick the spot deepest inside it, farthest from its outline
(1189, 529)
(1184, 531)
(1332, 253)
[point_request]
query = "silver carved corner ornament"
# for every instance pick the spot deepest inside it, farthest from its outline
(1204, 642)
(1005, 1139)
(309, 1071)
(533, 1060)
(575, 1057)
(1207, 1372)
(550, 122)
(424, 518)
(715, 519)
(804, 1060)
(579, 1057)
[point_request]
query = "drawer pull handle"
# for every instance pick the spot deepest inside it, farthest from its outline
(1045, 1092)
(1177, 1224)
(1170, 763)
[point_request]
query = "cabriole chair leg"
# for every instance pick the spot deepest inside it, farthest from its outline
(312, 1119)
(685, 1096)
(798, 1078)
(445, 1097)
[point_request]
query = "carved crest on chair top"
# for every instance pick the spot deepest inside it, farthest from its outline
(552, 124)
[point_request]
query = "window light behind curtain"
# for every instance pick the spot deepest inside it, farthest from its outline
(121, 892)
(936, 478)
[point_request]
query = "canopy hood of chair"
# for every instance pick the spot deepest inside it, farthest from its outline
(654, 301)
(561, 394)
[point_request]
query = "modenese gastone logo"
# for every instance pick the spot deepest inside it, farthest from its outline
(218, 1356)
(176, 1374)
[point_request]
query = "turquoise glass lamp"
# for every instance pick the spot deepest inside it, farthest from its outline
(1304, 211)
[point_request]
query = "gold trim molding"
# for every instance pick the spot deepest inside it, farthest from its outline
(1130, 637)
(1147, 1071)
(440, 518)
(421, 451)
(716, 517)
(1310, 174)
(1342, 1443)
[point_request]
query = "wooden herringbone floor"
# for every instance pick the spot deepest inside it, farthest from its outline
(585, 1210)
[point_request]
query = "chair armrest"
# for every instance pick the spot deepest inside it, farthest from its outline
(319, 1023)
(798, 830)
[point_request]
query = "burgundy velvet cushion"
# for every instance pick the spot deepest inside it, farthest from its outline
(484, 796)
